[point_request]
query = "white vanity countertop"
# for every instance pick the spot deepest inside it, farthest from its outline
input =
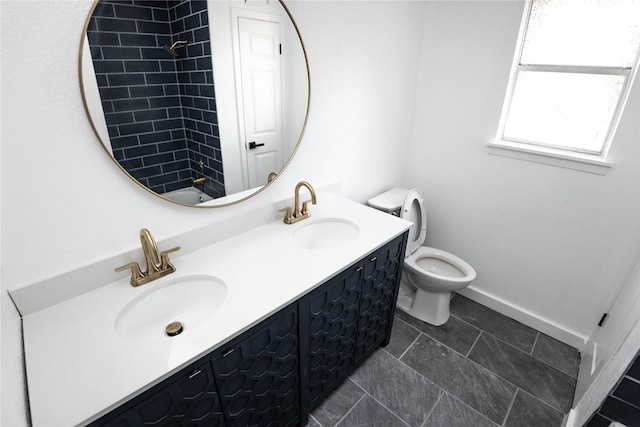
(79, 368)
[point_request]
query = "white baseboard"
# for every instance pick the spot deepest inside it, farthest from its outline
(543, 325)
(569, 419)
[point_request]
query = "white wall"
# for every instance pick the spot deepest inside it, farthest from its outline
(64, 203)
(552, 243)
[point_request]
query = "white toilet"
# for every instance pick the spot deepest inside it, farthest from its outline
(430, 275)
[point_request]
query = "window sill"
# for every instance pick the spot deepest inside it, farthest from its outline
(549, 156)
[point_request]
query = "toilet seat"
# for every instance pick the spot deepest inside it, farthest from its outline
(448, 270)
(413, 210)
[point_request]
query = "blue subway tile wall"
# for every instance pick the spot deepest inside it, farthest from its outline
(160, 110)
(623, 403)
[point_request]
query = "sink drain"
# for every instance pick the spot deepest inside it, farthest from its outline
(174, 328)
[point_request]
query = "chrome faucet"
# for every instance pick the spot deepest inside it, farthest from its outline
(158, 263)
(299, 213)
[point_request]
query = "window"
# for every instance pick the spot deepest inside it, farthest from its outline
(571, 76)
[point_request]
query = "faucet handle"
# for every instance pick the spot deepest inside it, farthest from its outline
(136, 273)
(165, 264)
(288, 216)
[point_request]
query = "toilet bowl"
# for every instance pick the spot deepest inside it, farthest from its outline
(430, 275)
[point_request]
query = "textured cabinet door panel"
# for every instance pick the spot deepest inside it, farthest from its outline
(189, 401)
(333, 323)
(258, 374)
(379, 293)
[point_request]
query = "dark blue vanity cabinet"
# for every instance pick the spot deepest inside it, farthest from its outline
(275, 373)
(258, 374)
(188, 398)
(331, 312)
(347, 318)
(379, 293)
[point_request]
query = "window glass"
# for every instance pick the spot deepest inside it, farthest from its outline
(563, 110)
(583, 32)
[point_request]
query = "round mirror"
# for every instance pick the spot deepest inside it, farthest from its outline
(202, 103)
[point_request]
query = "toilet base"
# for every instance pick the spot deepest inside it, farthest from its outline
(430, 307)
(405, 298)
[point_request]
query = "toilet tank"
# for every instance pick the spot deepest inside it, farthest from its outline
(389, 201)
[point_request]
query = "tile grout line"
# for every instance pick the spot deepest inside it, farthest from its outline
(533, 347)
(421, 332)
(621, 399)
(502, 315)
(635, 380)
(411, 368)
(408, 347)
(513, 399)
(350, 409)
(543, 402)
(385, 407)
(396, 317)
(496, 337)
(454, 397)
(468, 323)
(314, 419)
(530, 355)
(474, 344)
(442, 393)
(366, 393)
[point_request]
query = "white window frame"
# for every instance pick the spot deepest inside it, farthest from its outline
(588, 161)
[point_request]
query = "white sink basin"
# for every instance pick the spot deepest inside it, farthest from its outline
(326, 233)
(188, 300)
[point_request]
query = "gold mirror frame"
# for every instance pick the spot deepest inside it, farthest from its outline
(200, 206)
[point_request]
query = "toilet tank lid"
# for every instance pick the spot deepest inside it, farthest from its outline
(389, 201)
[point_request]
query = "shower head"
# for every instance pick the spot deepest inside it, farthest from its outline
(172, 49)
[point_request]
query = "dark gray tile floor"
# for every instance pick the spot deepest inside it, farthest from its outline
(480, 369)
